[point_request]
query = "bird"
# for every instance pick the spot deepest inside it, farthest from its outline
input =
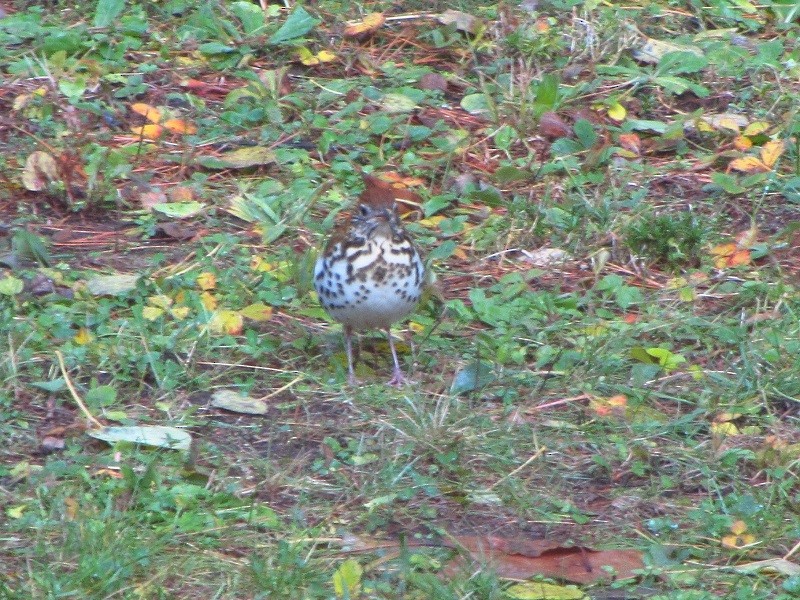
(370, 274)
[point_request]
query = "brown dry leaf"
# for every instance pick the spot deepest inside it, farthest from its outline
(40, 169)
(433, 81)
(463, 21)
(552, 127)
(151, 113)
(631, 142)
(369, 25)
(526, 558)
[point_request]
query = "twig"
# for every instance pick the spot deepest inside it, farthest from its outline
(74, 392)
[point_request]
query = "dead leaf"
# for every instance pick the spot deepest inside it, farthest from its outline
(179, 126)
(631, 142)
(463, 21)
(771, 152)
(433, 81)
(526, 558)
(148, 132)
(552, 126)
(367, 26)
(40, 170)
(151, 113)
(233, 401)
(748, 164)
(227, 321)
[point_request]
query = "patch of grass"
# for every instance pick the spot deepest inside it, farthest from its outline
(671, 241)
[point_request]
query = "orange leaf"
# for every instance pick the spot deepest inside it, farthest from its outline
(748, 164)
(149, 132)
(742, 143)
(370, 24)
(632, 142)
(150, 113)
(179, 126)
(740, 257)
(771, 152)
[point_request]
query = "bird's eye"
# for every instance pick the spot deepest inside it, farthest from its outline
(363, 209)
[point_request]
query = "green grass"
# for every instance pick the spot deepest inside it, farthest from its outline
(638, 393)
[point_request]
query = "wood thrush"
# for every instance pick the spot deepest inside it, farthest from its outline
(370, 274)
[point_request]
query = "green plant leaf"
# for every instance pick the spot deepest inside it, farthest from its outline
(107, 11)
(297, 25)
(473, 377)
(347, 579)
(102, 395)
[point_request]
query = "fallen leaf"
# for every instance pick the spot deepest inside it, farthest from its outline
(112, 285)
(367, 26)
(462, 21)
(257, 312)
(148, 132)
(527, 558)
(552, 126)
(227, 321)
(153, 435)
(151, 113)
(233, 401)
(433, 81)
(179, 126)
(207, 281)
(40, 170)
(771, 151)
(242, 158)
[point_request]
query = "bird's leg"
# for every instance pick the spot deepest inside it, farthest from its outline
(348, 347)
(398, 379)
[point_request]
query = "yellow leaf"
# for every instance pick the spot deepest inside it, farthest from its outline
(208, 300)
(149, 132)
(726, 429)
(738, 527)
(617, 112)
(724, 249)
(179, 126)
(347, 579)
(227, 321)
(742, 143)
(151, 113)
(771, 151)
(756, 128)
(207, 281)
(371, 23)
(83, 337)
(257, 312)
(15, 512)
(160, 301)
(309, 59)
(748, 164)
(151, 313)
(180, 312)
(725, 122)
(432, 222)
(326, 56)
